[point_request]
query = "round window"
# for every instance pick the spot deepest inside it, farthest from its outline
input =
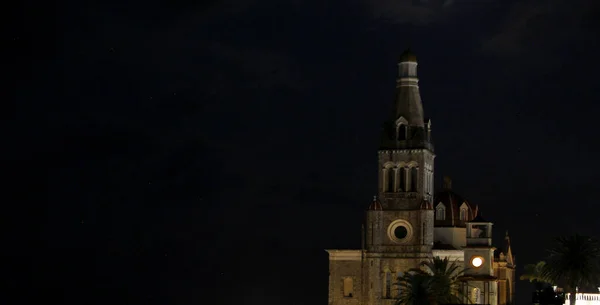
(400, 231)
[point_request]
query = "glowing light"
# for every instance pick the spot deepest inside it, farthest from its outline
(477, 261)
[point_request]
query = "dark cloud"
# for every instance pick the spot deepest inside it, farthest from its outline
(423, 12)
(264, 68)
(538, 29)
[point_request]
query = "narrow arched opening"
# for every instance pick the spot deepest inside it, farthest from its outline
(391, 176)
(388, 285)
(440, 213)
(402, 185)
(402, 130)
(413, 179)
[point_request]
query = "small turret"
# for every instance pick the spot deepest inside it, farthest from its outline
(375, 205)
(479, 278)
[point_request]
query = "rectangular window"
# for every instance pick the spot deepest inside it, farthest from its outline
(348, 287)
(479, 231)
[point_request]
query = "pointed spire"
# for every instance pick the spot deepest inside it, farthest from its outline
(408, 97)
(405, 128)
(508, 250)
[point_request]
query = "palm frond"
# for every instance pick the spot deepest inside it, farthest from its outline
(535, 273)
(574, 260)
(436, 282)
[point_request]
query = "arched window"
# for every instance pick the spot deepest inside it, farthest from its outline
(401, 132)
(440, 212)
(430, 179)
(391, 173)
(348, 287)
(402, 179)
(413, 179)
(388, 285)
(463, 214)
(476, 296)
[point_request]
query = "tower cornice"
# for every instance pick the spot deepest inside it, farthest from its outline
(406, 151)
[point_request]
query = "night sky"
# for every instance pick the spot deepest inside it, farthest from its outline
(207, 152)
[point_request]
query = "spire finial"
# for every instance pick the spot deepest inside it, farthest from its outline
(375, 205)
(506, 237)
(408, 56)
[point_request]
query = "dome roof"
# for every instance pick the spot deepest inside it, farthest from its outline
(408, 55)
(451, 209)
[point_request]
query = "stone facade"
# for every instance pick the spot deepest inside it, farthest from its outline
(406, 224)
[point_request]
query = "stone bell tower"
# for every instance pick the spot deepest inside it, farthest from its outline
(405, 163)
(399, 223)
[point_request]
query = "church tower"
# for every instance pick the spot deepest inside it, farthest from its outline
(399, 224)
(400, 232)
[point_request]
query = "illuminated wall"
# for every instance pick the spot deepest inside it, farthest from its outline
(585, 299)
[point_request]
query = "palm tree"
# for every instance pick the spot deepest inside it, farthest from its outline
(435, 283)
(415, 289)
(445, 279)
(574, 261)
(534, 273)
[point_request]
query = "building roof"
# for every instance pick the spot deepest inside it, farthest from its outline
(479, 218)
(452, 203)
(408, 56)
(504, 254)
